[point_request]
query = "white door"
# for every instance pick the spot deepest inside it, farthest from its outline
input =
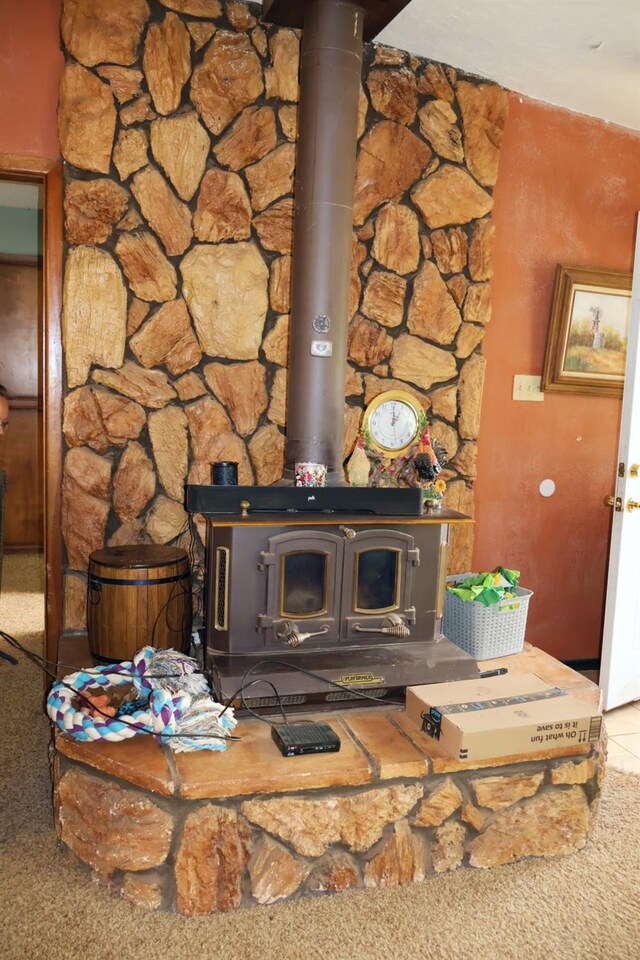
(620, 662)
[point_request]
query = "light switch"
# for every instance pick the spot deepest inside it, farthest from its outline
(527, 388)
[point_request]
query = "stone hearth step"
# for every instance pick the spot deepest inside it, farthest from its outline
(389, 807)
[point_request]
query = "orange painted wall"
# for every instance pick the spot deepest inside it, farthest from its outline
(567, 192)
(30, 69)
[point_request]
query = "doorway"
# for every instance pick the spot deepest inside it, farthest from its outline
(42, 400)
(21, 296)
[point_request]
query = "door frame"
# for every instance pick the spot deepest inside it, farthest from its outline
(48, 173)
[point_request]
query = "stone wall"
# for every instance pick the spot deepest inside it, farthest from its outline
(177, 123)
(203, 856)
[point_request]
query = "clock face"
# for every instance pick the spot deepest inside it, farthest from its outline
(394, 425)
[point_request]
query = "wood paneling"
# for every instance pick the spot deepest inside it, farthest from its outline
(20, 285)
(21, 445)
(20, 459)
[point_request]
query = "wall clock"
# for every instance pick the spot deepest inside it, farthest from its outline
(393, 422)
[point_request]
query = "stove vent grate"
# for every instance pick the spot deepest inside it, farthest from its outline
(348, 695)
(222, 582)
(286, 700)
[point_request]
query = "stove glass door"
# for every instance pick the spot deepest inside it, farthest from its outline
(377, 580)
(303, 570)
(304, 581)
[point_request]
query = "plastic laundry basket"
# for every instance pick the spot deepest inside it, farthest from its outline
(486, 632)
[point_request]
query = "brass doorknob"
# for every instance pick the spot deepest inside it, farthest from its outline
(634, 469)
(609, 501)
(633, 505)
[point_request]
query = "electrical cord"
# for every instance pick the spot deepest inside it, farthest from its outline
(316, 676)
(140, 727)
(40, 661)
(309, 673)
(196, 560)
(240, 692)
(173, 595)
(252, 712)
(73, 667)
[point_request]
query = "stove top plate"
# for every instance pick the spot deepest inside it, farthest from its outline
(374, 501)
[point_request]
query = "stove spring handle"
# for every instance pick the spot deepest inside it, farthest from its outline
(290, 634)
(393, 626)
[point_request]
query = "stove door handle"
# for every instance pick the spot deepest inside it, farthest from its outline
(290, 634)
(392, 625)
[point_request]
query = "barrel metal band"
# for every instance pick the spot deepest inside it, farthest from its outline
(94, 580)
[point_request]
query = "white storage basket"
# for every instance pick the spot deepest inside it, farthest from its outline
(486, 632)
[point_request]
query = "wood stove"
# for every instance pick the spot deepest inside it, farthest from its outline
(327, 591)
(324, 603)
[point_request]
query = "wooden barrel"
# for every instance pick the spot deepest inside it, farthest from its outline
(138, 596)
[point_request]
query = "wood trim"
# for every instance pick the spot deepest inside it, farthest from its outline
(49, 172)
(20, 259)
(52, 398)
(25, 403)
(24, 548)
(19, 166)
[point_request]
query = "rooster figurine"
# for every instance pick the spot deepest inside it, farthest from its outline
(358, 465)
(426, 462)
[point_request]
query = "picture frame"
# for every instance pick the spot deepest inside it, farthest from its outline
(588, 332)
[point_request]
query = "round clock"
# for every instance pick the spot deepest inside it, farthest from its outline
(394, 421)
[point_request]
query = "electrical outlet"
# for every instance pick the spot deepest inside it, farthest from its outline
(527, 388)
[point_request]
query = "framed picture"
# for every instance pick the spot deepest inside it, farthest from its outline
(588, 332)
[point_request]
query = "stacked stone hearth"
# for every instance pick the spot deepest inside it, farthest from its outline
(202, 833)
(217, 856)
(177, 124)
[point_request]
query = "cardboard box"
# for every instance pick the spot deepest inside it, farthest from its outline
(501, 716)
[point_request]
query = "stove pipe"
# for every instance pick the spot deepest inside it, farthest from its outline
(330, 72)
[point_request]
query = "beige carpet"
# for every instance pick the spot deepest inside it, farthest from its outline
(582, 907)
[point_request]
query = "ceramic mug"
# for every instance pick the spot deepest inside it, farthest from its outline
(309, 474)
